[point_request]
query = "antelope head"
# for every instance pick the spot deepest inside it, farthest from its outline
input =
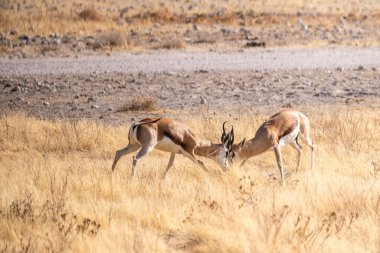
(227, 140)
(233, 150)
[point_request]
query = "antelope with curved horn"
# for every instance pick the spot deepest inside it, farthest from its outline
(281, 129)
(172, 136)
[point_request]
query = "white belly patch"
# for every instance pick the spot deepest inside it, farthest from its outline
(289, 137)
(166, 144)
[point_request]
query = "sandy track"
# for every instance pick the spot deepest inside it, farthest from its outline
(190, 82)
(167, 61)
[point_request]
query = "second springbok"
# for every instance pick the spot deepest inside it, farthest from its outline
(285, 127)
(173, 137)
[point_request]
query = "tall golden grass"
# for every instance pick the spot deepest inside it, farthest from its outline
(58, 193)
(89, 17)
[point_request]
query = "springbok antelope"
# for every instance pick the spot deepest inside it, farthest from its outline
(174, 137)
(281, 129)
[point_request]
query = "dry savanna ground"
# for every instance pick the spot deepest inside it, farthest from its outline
(58, 193)
(30, 28)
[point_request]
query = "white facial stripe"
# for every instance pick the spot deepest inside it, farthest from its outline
(221, 158)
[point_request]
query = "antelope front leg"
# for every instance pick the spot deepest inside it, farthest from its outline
(194, 159)
(277, 151)
(170, 164)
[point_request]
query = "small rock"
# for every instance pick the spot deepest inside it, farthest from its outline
(361, 67)
(55, 41)
(95, 106)
(110, 109)
(302, 24)
(124, 10)
(203, 100)
(196, 27)
(342, 20)
(46, 103)
(255, 43)
(225, 31)
(245, 31)
(92, 99)
(24, 37)
(15, 88)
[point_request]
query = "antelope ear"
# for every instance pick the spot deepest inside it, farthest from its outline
(241, 144)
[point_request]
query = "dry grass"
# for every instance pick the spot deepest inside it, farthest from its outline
(140, 103)
(173, 42)
(112, 39)
(58, 193)
(90, 14)
(76, 17)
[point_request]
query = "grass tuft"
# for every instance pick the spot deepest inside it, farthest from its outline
(112, 39)
(90, 14)
(140, 103)
(174, 42)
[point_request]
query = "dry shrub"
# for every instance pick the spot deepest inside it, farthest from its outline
(162, 15)
(49, 49)
(112, 39)
(140, 103)
(205, 37)
(170, 43)
(90, 14)
(214, 18)
(52, 214)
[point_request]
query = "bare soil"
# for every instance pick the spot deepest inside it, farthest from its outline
(98, 88)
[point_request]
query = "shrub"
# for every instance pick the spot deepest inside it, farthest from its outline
(140, 103)
(112, 39)
(90, 14)
(170, 43)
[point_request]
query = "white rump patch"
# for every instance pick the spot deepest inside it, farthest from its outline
(134, 133)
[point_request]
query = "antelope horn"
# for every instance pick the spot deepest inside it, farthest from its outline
(231, 138)
(223, 138)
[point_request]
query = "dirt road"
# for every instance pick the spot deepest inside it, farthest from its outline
(190, 83)
(169, 61)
